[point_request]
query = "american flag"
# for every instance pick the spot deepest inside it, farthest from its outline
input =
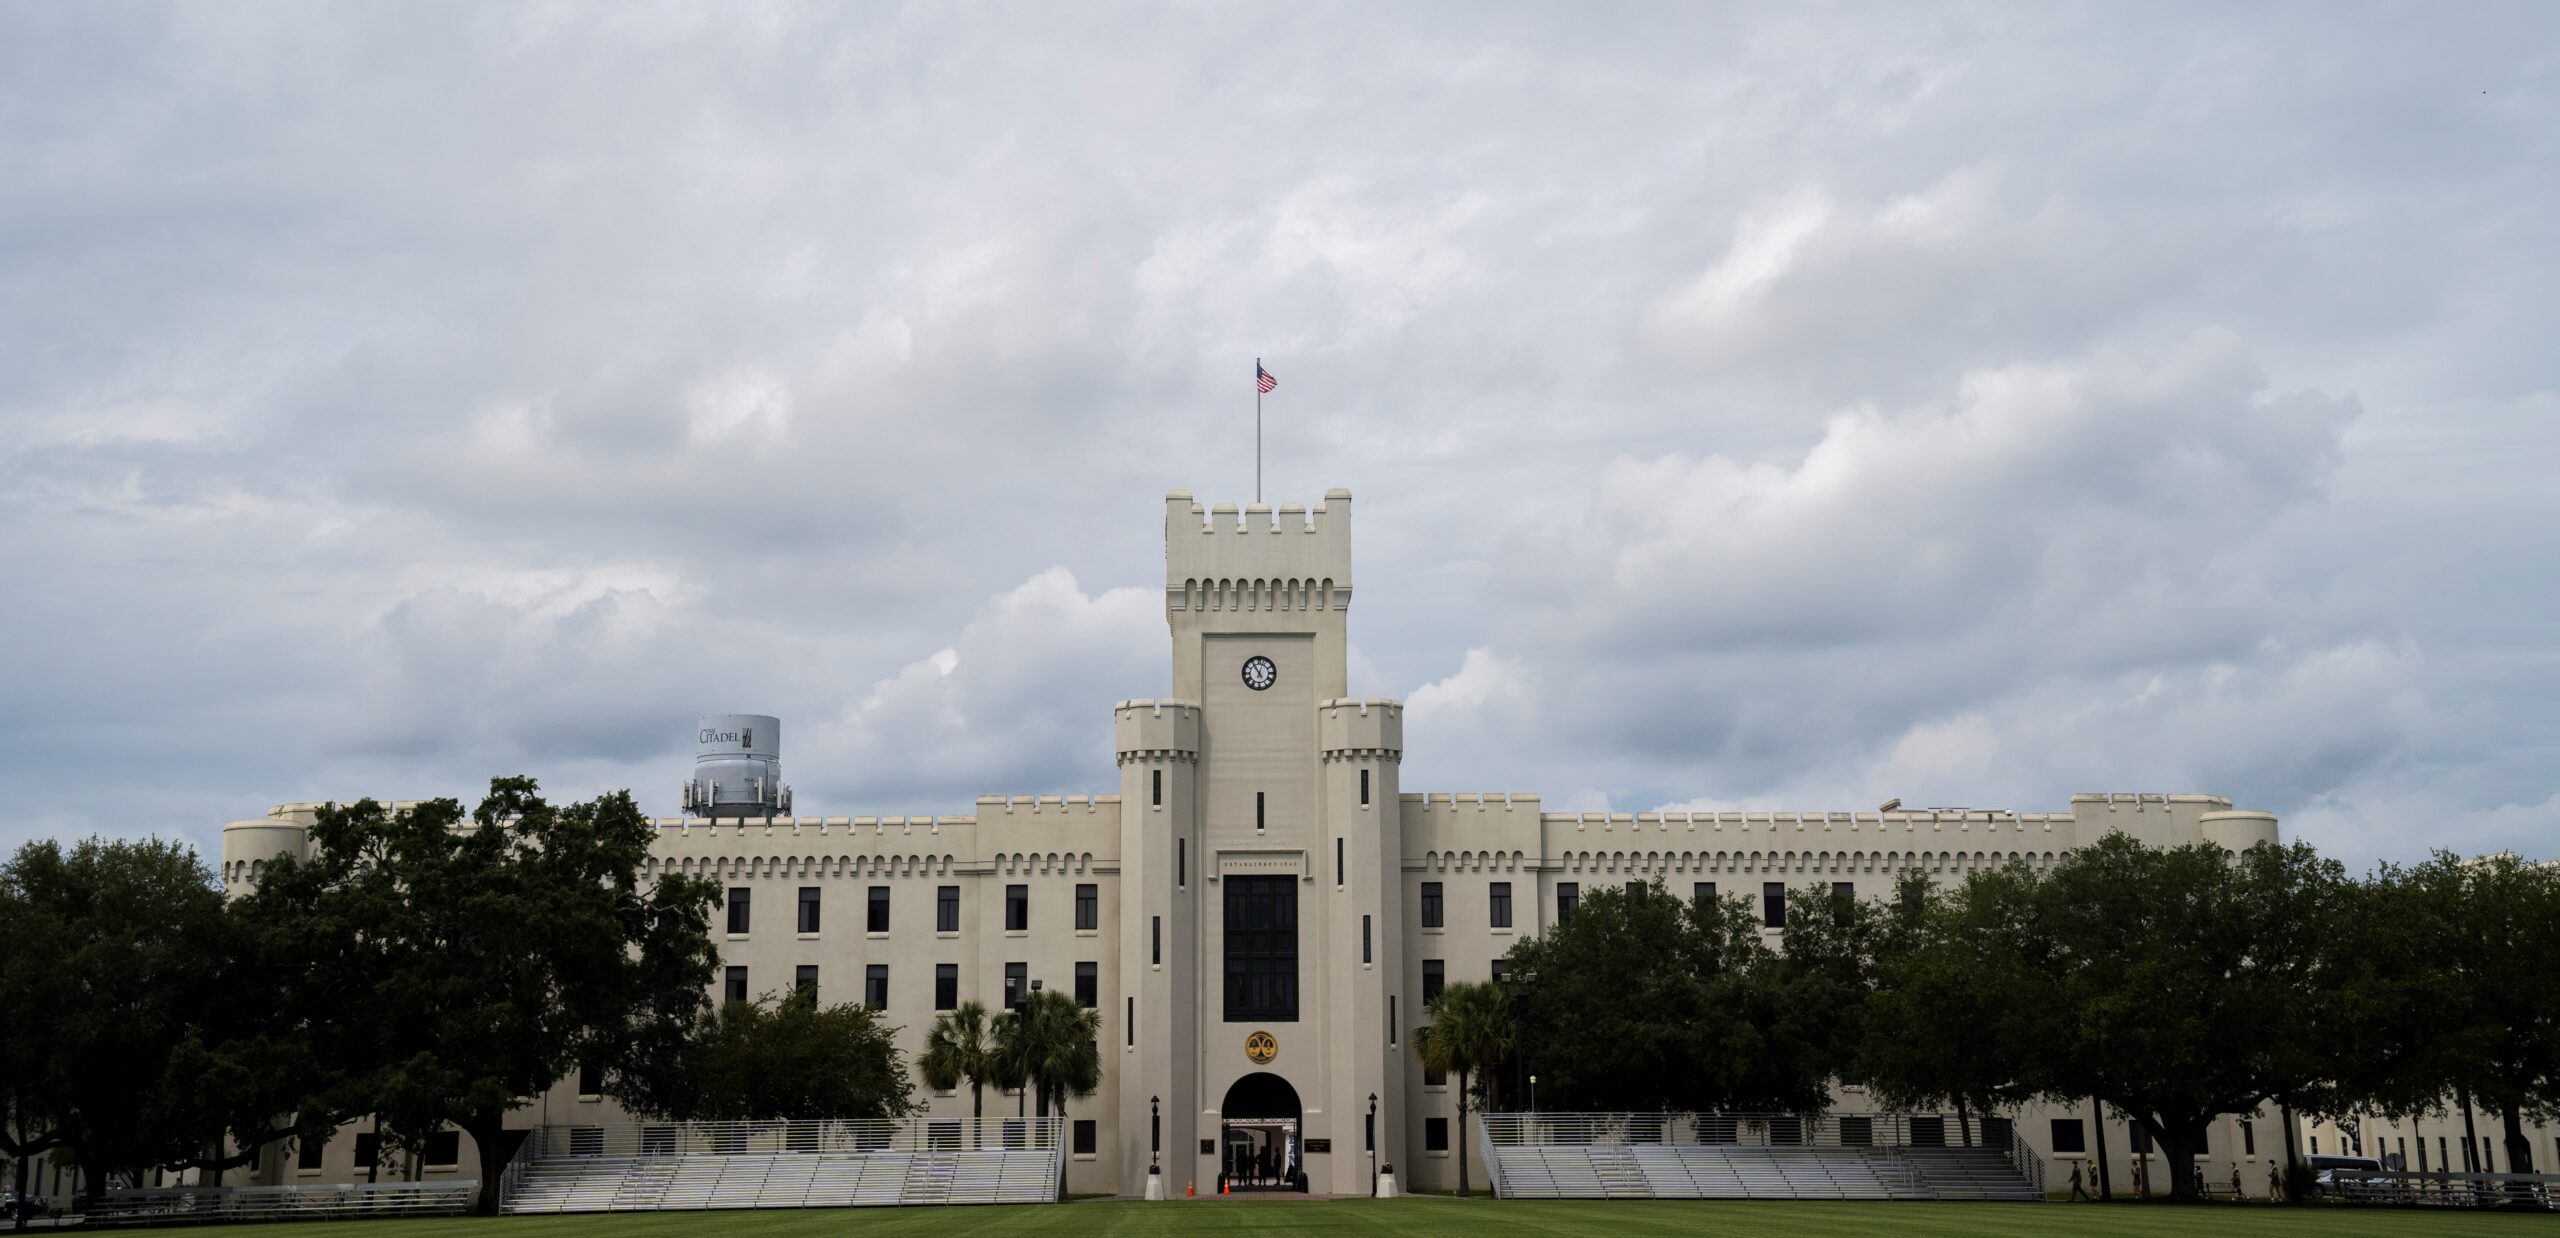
(1262, 379)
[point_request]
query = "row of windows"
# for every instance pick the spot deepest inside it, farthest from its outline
(946, 908)
(946, 984)
(443, 1151)
(1773, 904)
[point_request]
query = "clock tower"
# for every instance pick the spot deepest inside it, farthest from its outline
(1273, 852)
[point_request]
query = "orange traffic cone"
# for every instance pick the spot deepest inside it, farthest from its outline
(1187, 1185)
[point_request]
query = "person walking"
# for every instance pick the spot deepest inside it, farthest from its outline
(2141, 1180)
(2078, 1193)
(2275, 1182)
(2237, 1195)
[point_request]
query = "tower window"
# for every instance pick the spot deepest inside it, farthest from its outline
(946, 909)
(738, 901)
(734, 984)
(875, 986)
(1017, 909)
(1155, 928)
(1017, 983)
(1337, 861)
(1568, 898)
(805, 978)
(946, 986)
(1773, 904)
(1258, 819)
(1703, 892)
(1088, 985)
(1181, 863)
(1499, 904)
(1088, 910)
(1157, 795)
(1364, 788)
(808, 909)
(1261, 949)
(1431, 904)
(1435, 977)
(879, 921)
(1364, 940)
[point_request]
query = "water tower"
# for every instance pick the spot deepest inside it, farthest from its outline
(737, 768)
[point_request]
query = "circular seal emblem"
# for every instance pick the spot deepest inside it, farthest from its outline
(1260, 1048)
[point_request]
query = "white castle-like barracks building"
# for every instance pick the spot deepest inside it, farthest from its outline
(1261, 910)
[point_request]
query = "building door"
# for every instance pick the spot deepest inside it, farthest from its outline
(1258, 1138)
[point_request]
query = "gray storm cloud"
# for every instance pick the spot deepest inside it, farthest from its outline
(1787, 409)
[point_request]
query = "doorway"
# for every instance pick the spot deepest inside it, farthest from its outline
(1259, 1148)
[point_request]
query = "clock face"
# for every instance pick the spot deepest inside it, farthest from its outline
(1259, 673)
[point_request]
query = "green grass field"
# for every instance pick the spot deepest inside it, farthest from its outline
(1477, 1218)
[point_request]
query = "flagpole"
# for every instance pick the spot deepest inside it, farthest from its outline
(1257, 429)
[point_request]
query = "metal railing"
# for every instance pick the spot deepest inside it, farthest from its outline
(2446, 1190)
(511, 1177)
(189, 1204)
(1774, 1130)
(2024, 1158)
(675, 1139)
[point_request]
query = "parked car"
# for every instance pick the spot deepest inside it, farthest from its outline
(2324, 1183)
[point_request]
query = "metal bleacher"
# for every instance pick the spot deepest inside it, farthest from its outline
(1741, 1156)
(695, 1166)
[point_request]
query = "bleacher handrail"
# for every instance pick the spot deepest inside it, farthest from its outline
(682, 1139)
(172, 1204)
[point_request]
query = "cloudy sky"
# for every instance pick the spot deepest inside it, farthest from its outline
(1973, 405)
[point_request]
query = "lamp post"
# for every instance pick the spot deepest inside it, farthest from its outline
(1155, 1148)
(1533, 1094)
(1373, 1143)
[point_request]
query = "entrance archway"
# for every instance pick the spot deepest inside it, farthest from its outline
(1258, 1144)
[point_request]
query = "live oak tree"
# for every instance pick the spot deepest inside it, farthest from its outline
(1472, 1029)
(780, 1058)
(482, 958)
(2473, 941)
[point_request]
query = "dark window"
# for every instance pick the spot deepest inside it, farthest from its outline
(1431, 904)
(1434, 1077)
(1364, 940)
(1928, 1132)
(1435, 1134)
(1262, 949)
(1130, 1024)
(1156, 795)
(444, 1148)
(875, 986)
(1182, 861)
(1435, 977)
(1391, 1020)
(1017, 909)
(946, 909)
(1498, 908)
(590, 1079)
(1995, 1131)
(1568, 897)
(1258, 819)
(2202, 1138)
(1844, 889)
(1501, 970)
(1364, 788)
(311, 1153)
(808, 909)
(1088, 985)
(1773, 905)
(738, 909)
(1017, 984)
(736, 989)
(2249, 1141)
(1337, 861)
(1088, 905)
(805, 977)
(368, 1151)
(879, 918)
(1857, 1132)
(2141, 1139)
(1084, 1137)
(1155, 934)
(946, 986)
(1703, 892)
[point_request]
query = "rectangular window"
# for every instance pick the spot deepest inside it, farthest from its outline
(1434, 1077)
(878, 920)
(1435, 1134)
(1364, 788)
(1088, 905)
(1084, 1137)
(1262, 949)
(1258, 819)
(312, 1154)
(1088, 985)
(1391, 1020)
(1844, 889)
(1130, 1023)
(1498, 906)
(590, 1079)
(1703, 892)
(1155, 940)
(1568, 900)
(1364, 941)
(444, 1149)
(808, 909)
(1773, 904)
(2249, 1140)
(736, 988)
(875, 986)
(1182, 863)
(1435, 977)
(1017, 909)
(1155, 794)
(1431, 904)
(946, 986)
(946, 909)
(2140, 1139)
(1337, 862)
(1017, 984)
(368, 1151)
(805, 977)
(738, 896)
(1501, 970)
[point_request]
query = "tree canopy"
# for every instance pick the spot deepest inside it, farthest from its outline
(778, 1058)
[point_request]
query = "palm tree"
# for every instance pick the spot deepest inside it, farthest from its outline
(1471, 1029)
(1054, 1045)
(958, 1049)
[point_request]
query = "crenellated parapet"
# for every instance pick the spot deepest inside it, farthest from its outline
(1257, 560)
(1356, 728)
(1153, 730)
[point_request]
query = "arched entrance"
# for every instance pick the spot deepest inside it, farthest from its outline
(1258, 1144)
